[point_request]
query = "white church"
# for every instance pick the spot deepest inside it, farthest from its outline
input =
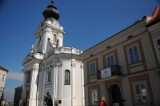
(51, 67)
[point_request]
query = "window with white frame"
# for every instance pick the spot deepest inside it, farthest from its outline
(93, 96)
(141, 94)
(67, 77)
(92, 68)
(134, 54)
(110, 61)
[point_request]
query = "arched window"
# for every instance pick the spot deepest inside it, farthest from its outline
(67, 77)
(57, 43)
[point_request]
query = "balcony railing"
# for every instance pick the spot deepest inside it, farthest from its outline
(109, 72)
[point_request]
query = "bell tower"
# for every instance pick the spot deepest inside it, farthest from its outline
(50, 33)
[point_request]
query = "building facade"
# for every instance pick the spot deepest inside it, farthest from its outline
(125, 68)
(50, 68)
(3, 75)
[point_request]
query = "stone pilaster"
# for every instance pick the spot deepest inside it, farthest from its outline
(33, 87)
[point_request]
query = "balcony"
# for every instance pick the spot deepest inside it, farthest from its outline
(109, 72)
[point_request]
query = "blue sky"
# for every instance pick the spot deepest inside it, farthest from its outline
(86, 23)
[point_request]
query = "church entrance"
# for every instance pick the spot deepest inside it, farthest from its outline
(114, 95)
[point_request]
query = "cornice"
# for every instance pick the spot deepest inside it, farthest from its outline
(46, 25)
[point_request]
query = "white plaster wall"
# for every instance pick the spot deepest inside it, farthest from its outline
(77, 84)
(2, 81)
(40, 88)
(60, 82)
(45, 35)
(72, 95)
(66, 89)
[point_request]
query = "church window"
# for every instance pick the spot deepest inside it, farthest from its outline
(49, 76)
(39, 41)
(67, 77)
(55, 37)
(57, 43)
(28, 77)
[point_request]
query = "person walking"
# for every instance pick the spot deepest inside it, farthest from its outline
(102, 102)
(48, 100)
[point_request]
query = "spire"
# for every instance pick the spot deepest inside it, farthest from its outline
(51, 11)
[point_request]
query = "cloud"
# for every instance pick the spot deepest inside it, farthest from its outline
(15, 75)
(9, 94)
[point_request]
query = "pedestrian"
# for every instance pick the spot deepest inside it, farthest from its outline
(48, 100)
(102, 102)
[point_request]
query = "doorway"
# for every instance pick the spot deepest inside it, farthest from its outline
(114, 95)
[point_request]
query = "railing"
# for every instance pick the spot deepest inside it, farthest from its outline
(109, 72)
(67, 50)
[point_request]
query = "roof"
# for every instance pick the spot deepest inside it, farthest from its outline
(154, 18)
(4, 69)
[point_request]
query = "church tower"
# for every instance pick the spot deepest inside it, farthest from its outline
(50, 32)
(52, 69)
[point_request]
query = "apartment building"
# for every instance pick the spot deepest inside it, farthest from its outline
(3, 75)
(125, 68)
(17, 95)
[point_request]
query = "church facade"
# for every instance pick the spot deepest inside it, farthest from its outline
(50, 68)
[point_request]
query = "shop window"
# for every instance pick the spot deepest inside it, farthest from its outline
(141, 94)
(93, 97)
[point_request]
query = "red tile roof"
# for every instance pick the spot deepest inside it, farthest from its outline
(154, 17)
(4, 69)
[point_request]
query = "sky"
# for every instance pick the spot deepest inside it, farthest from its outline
(86, 23)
